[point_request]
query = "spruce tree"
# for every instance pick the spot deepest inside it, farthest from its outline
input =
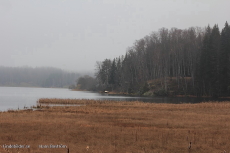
(225, 60)
(112, 74)
(214, 62)
(204, 64)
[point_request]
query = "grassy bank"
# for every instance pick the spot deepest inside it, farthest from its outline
(129, 127)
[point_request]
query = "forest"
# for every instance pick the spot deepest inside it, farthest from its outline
(37, 77)
(193, 61)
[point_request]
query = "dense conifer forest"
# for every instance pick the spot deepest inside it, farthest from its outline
(193, 61)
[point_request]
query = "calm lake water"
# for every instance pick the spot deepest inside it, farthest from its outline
(18, 97)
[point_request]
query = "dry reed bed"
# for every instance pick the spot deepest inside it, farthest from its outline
(84, 101)
(109, 126)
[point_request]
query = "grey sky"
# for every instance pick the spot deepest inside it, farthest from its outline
(74, 34)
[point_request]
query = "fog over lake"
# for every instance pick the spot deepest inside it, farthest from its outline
(74, 34)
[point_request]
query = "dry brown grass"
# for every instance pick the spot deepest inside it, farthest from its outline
(123, 127)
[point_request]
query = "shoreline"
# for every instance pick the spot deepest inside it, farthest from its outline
(169, 96)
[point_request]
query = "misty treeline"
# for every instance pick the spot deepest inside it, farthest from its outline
(194, 61)
(36, 77)
(87, 82)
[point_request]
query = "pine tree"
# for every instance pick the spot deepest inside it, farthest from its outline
(204, 64)
(118, 73)
(225, 60)
(112, 74)
(214, 62)
(104, 74)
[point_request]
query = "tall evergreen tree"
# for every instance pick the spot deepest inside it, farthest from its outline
(225, 60)
(118, 73)
(215, 62)
(104, 73)
(204, 67)
(112, 75)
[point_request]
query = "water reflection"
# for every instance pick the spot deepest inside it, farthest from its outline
(173, 100)
(18, 97)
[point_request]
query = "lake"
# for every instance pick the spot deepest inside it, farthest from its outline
(20, 97)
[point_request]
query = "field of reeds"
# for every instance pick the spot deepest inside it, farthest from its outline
(124, 127)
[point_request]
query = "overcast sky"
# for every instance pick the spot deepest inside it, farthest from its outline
(74, 34)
